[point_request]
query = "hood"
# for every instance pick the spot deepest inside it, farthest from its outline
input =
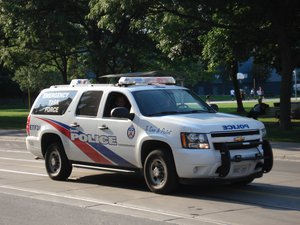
(209, 122)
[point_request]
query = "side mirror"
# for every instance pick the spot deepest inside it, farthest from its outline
(215, 107)
(121, 112)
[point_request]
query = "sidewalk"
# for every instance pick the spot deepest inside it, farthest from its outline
(246, 100)
(286, 150)
(281, 150)
(13, 134)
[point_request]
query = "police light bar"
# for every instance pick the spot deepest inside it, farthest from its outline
(146, 80)
(79, 81)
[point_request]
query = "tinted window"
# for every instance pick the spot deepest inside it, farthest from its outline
(115, 99)
(54, 102)
(89, 103)
(169, 101)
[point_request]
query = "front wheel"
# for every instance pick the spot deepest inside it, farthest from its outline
(160, 173)
(57, 164)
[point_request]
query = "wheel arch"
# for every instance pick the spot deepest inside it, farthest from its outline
(49, 138)
(151, 145)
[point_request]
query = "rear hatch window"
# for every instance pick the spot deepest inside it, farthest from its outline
(53, 102)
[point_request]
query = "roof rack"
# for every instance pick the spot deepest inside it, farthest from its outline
(79, 81)
(125, 81)
(114, 78)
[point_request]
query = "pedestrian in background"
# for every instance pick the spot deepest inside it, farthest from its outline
(232, 94)
(258, 109)
(207, 99)
(260, 93)
(252, 93)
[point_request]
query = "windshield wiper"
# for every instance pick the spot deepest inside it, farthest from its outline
(195, 111)
(164, 113)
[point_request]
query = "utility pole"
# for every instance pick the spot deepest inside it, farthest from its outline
(296, 87)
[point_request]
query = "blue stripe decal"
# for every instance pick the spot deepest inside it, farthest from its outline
(100, 148)
(111, 155)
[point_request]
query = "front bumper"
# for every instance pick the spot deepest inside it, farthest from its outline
(224, 163)
(226, 158)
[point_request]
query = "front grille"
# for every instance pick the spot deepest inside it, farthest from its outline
(238, 145)
(236, 139)
(237, 133)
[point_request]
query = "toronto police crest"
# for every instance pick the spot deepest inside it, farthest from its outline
(131, 132)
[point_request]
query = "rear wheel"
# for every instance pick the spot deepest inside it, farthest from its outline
(160, 173)
(57, 164)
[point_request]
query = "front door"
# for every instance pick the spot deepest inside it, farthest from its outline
(119, 133)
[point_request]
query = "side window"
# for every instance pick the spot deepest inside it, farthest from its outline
(89, 103)
(115, 99)
(53, 102)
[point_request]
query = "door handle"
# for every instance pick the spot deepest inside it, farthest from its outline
(75, 125)
(103, 127)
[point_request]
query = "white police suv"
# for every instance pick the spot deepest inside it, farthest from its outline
(145, 124)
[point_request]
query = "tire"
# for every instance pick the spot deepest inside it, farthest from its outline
(160, 173)
(268, 155)
(242, 183)
(56, 162)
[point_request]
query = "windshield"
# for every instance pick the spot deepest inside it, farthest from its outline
(169, 101)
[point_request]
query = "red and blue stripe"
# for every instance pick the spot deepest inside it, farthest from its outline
(95, 151)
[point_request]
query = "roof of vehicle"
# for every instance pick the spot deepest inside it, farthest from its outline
(114, 87)
(113, 78)
(133, 81)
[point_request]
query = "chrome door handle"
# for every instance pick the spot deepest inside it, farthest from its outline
(74, 125)
(103, 127)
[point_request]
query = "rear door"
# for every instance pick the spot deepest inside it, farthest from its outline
(83, 127)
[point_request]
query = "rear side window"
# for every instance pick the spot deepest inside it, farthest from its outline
(89, 103)
(54, 102)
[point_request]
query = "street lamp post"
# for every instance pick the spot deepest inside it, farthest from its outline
(295, 74)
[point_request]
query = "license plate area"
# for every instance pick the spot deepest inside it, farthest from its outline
(240, 169)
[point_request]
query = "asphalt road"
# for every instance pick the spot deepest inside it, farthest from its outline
(28, 196)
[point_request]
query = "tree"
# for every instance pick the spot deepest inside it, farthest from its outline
(272, 29)
(260, 73)
(32, 79)
(48, 27)
(277, 38)
(222, 48)
(202, 29)
(35, 79)
(119, 29)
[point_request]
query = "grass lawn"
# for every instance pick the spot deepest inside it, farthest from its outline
(15, 118)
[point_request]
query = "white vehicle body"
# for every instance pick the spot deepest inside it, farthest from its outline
(200, 144)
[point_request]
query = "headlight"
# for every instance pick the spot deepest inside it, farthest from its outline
(264, 132)
(194, 140)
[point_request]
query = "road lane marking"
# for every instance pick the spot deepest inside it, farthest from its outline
(245, 191)
(115, 204)
(286, 159)
(12, 139)
(22, 160)
(21, 172)
(14, 151)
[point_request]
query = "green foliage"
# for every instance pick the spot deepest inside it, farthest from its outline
(46, 32)
(36, 79)
(216, 47)
(194, 38)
